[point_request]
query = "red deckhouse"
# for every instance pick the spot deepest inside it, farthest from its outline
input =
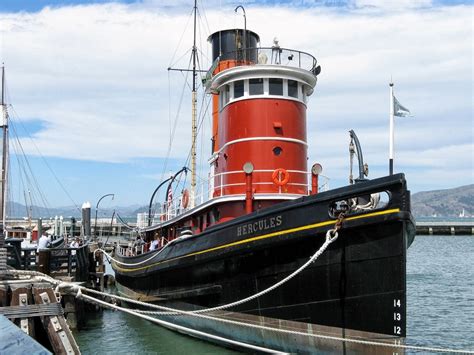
(259, 117)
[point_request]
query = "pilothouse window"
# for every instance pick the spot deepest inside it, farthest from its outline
(246, 88)
(224, 96)
(238, 89)
(256, 86)
(293, 88)
(275, 86)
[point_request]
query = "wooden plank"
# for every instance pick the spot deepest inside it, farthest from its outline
(15, 342)
(44, 261)
(3, 295)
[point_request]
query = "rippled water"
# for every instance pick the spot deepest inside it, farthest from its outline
(111, 332)
(440, 285)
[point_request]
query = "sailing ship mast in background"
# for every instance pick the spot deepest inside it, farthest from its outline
(194, 112)
(3, 194)
(194, 70)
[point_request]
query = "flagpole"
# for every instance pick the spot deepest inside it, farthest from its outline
(391, 130)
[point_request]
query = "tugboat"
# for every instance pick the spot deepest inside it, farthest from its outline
(263, 217)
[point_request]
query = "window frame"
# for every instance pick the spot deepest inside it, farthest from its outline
(270, 87)
(227, 91)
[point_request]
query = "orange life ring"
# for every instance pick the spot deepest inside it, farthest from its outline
(185, 198)
(277, 174)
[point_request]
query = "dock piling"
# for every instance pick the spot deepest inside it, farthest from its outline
(58, 331)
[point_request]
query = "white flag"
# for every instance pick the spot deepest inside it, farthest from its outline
(399, 110)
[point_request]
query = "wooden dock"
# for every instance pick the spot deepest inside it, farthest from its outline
(14, 340)
(445, 228)
(33, 305)
(38, 313)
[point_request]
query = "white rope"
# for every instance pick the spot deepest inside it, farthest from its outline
(313, 258)
(181, 328)
(329, 239)
(110, 257)
(79, 294)
(292, 332)
(31, 273)
(331, 236)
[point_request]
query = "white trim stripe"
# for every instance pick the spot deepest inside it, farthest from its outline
(282, 139)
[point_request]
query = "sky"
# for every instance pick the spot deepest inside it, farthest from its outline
(93, 103)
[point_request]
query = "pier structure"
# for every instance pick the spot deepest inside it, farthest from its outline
(103, 228)
(445, 228)
(30, 297)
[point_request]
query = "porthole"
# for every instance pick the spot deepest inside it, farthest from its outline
(277, 151)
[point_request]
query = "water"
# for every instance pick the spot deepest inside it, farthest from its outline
(117, 333)
(440, 285)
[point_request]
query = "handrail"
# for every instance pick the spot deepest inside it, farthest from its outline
(294, 58)
(174, 207)
(276, 54)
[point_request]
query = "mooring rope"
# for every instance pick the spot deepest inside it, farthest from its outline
(74, 287)
(262, 327)
(110, 257)
(182, 328)
(331, 236)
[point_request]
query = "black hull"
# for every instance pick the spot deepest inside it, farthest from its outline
(358, 283)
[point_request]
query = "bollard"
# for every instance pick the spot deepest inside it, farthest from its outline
(70, 311)
(86, 220)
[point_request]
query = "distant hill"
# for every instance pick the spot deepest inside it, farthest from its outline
(439, 203)
(443, 203)
(143, 209)
(17, 210)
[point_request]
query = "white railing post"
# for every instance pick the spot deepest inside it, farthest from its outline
(221, 183)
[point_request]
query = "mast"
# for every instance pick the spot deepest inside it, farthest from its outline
(3, 195)
(391, 139)
(194, 112)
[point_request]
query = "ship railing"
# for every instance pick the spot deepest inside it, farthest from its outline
(214, 187)
(131, 249)
(275, 55)
(323, 184)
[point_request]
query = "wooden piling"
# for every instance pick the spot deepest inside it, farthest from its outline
(72, 311)
(21, 296)
(44, 265)
(59, 335)
(33, 305)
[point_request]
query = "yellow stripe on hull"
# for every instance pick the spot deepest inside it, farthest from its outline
(260, 237)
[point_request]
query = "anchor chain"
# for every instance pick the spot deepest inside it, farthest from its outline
(332, 234)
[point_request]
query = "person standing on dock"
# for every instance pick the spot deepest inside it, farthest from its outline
(44, 242)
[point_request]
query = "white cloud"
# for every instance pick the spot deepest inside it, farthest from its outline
(97, 76)
(392, 4)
